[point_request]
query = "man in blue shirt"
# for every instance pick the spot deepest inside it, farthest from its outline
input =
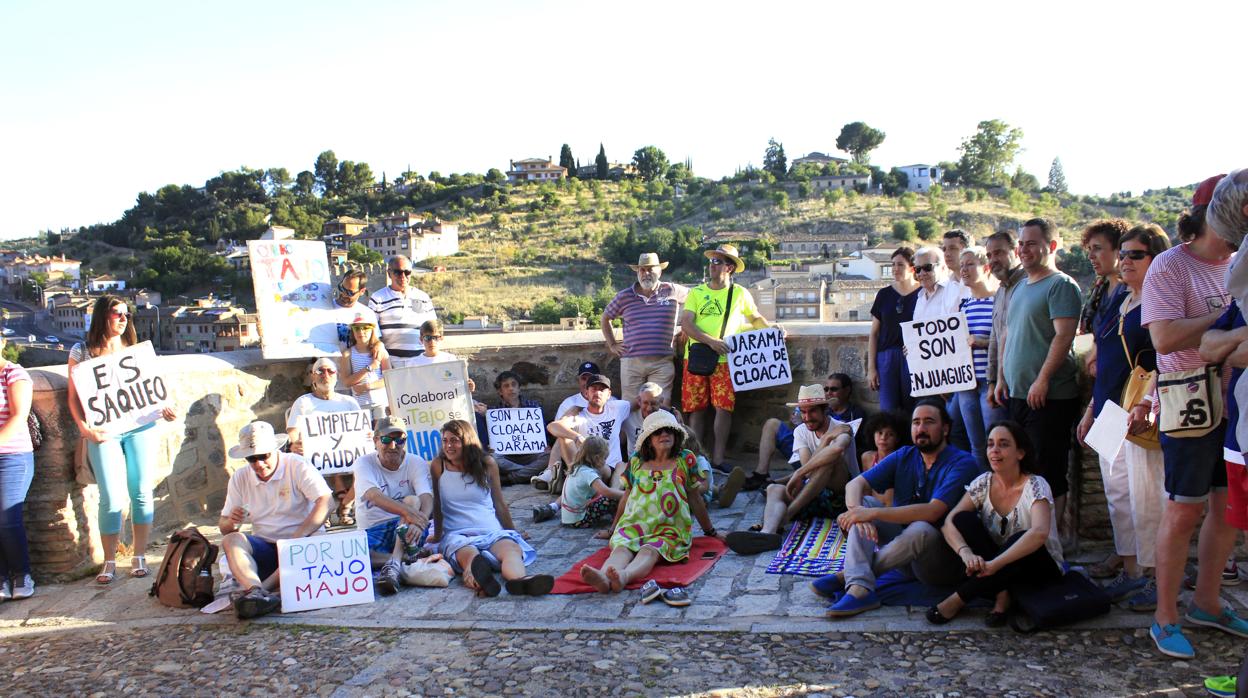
(927, 480)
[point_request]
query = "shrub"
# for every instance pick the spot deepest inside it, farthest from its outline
(903, 231)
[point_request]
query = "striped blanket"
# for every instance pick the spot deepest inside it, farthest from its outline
(813, 548)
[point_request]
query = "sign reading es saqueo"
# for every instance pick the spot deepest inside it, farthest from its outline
(516, 430)
(324, 571)
(333, 440)
(938, 352)
(122, 391)
(426, 397)
(758, 359)
(294, 298)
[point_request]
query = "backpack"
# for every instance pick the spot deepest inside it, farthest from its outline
(185, 578)
(1071, 599)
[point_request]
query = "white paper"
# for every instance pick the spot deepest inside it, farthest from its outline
(1108, 431)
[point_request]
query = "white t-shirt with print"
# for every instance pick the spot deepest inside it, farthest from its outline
(573, 400)
(608, 425)
(803, 437)
(411, 478)
(309, 403)
(277, 506)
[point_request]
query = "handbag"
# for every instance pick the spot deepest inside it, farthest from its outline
(702, 359)
(1191, 401)
(1138, 384)
(1071, 599)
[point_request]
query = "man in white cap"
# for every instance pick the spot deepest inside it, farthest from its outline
(324, 378)
(603, 416)
(824, 450)
(283, 497)
(402, 309)
(394, 500)
(648, 311)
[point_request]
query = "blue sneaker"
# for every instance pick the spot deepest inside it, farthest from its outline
(829, 585)
(1145, 599)
(1227, 621)
(1124, 586)
(850, 605)
(1171, 642)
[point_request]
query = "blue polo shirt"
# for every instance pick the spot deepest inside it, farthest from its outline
(1233, 451)
(912, 483)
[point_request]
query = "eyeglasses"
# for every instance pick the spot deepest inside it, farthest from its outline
(258, 458)
(387, 440)
(430, 337)
(920, 268)
(1135, 255)
(716, 262)
(326, 371)
(119, 314)
(404, 272)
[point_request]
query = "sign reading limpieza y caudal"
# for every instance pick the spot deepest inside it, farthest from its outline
(939, 355)
(122, 391)
(333, 440)
(516, 430)
(324, 571)
(758, 359)
(426, 397)
(294, 299)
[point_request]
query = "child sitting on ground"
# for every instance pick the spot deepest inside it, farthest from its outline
(586, 501)
(726, 492)
(888, 432)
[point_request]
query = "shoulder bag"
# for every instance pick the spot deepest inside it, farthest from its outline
(1191, 401)
(1139, 381)
(702, 358)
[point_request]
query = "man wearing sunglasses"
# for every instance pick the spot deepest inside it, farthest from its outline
(394, 500)
(324, 378)
(347, 305)
(401, 309)
(282, 496)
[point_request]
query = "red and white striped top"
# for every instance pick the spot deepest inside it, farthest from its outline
(1180, 285)
(20, 441)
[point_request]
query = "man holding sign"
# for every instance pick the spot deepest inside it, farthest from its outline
(323, 399)
(282, 496)
(394, 500)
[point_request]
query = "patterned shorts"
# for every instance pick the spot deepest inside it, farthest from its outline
(694, 390)
(599, 510)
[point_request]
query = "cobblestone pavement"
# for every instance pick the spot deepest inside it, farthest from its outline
(265, 660)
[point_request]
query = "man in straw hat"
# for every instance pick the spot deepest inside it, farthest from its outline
(824, 448)
(703, 321)
(282, 496)
(648, 310)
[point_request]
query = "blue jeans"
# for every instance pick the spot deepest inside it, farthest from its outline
(123, 465)
(991, 414)
(970, 405)
(890, 364)
(957, 430)
(16, 472)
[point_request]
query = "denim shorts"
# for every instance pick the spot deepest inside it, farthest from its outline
(1194, 467)
(381, 537)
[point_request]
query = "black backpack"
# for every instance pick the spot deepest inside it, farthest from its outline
(185, 578)
(1071, 599)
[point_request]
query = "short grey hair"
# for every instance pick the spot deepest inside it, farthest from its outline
(650, 389)
(932, 252)
(980, 253)
(1225, 215)
(390, 262)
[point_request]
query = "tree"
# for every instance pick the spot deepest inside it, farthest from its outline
(1024, 181)
(949, 172)
(305, 185)
(988, 155)
(357, 252)
(353, 178)
(651, 163)
(495, 176)
(894, 183)
(326, 170)
(859, 139)
(927, 228)
(903, 231)
(1057, 177)
(277, 180)
(774, 160)
(566, 159)
(601, 163)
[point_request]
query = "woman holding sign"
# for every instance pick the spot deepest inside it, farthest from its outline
(121, 463)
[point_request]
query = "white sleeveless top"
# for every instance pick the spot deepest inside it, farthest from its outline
(467, 508)
(359, 361)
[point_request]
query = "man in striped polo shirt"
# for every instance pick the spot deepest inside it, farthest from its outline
(401, 309)
(648, 309)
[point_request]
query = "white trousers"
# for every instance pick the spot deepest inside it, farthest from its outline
(1115, 478)
(1146, 481)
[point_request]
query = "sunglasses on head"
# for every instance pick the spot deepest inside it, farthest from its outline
(258, 458)
(388, 439)
(1135, 255)
(404, 272)
(920, 268)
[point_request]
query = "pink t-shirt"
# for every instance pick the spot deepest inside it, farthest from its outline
(20, 442)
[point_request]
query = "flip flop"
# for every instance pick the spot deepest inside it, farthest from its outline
(484, 576)
(532, 585)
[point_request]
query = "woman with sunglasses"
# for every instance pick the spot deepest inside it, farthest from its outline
(894, 305)
(1133, 481)
(122, 464)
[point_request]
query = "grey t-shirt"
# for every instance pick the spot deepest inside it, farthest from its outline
(1029, 333)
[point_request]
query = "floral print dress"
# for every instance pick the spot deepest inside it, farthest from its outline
(657, 513)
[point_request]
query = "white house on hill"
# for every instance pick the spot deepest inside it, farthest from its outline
(921, 177)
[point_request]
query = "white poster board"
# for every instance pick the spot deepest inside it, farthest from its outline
(122, 391)
(294, 299)
(516, 431)
(1109, 431)
(426, 397)
(758, 359)
(938, 352)
(324, 571)
(333, 440)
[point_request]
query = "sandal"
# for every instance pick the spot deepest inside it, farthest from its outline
(756, 527)
(107, 572)
(138, 566)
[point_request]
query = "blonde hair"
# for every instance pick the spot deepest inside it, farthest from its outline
(374, 337)
(692, 443)
(593, 453)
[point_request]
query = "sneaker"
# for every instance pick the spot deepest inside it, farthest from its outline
(543, 513)
(850, 605)
(1226, 621)
(542, 482)
(724, 468)
(1230, 574)
(828, 586)
(25, 590)
(676, 596)
(650, 591)
(756, 481)
(731, 488)
(1124, 586)
(1221, 686)
(1171, 642)
(388, 579)
(6, 590)
(1145, 599)
(255, 603)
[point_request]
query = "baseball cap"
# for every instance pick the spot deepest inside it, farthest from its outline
(599, 379)
(390, 425)
(589, 367)
(1204, 191)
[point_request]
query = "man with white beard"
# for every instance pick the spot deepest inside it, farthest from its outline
(648, 310)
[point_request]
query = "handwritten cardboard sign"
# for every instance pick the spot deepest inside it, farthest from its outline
(758, 359)
(516, 430)
(324, 571)
(294, 299)
(333, 440)
(938, 352)
(426, 397)
(122, 391)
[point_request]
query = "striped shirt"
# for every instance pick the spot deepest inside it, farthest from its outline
(649, 323)
(20, 441)
(979, 324)
(401, 318)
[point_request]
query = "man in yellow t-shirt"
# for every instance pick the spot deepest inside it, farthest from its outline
(701, 320)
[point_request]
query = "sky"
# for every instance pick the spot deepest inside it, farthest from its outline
(101, 101)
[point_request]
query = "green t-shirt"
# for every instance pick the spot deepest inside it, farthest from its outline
(1029, 332)
(707, 307)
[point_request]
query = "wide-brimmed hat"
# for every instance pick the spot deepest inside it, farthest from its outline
(809, 396)
(659, 419)
(1204, 191)
(256, 438)
(730, 251)
(647, 259)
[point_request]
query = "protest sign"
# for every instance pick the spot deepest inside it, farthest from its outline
(758, 359)
(333, 440)
(938, 352)
(294, 299)
(516, 430)
(122, 391)
(324, 571)
(426, 397)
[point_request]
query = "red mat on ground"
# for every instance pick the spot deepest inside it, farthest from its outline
(702, 556)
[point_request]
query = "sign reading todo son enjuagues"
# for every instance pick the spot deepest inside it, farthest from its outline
(938, 353)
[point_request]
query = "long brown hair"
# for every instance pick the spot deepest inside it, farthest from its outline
(97, 333)
(474, 455)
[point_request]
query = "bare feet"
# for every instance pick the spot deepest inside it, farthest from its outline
(596, 579)
(617, 584)
(603, 534)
